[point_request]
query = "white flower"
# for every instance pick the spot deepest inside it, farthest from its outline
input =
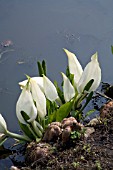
(45, 85)
(49, 89)
(74, 66)
(3, 125)
(91, 71)
(68, 89)
(39, 98)
(39, 81)
(25, 103)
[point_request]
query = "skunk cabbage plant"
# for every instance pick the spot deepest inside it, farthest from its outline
(41, 101)
(91, 71)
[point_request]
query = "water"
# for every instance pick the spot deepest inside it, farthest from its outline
(40, 30)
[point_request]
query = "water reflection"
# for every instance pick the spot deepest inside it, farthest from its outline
(39, 30)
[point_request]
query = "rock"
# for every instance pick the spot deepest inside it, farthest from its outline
(14, 168)
(107, 110)
(94, 122)
(89, 131)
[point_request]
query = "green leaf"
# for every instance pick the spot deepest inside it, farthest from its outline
(64, 111)
(61, 113)
(89, 113)
(26, 130)
(40, 69)
(77, 114)
(70, 76)
(59, 91)
(52, 117)
(67, 71)
(88, 85)
(112, 49)
(44, 67)
(3, 139)
(51, 107)
(75, 135)
(88, 98)
(25, 116)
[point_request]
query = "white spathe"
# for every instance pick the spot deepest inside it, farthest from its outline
(3, 125)
(39, 81)
(91, 71)
(25, 103)
(45, 85)
(49, 89)
(68, 89)
(74, 66)
(39, 98)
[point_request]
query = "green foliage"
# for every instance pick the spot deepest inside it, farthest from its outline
(26, 127)
(98, 165)
(61, 113)
(89, 113)
(70, 76)
(3, 139)
(41, 68)
(59, 91)
(64, 111)
(88, 85)
(112, 49)
(75, 135)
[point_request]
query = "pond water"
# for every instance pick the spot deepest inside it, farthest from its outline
(40, 30)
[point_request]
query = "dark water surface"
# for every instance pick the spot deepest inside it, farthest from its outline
(40, 29)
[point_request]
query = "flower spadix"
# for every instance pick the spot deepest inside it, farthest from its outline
(25, 103)
(39, 98)
(68, 89)
(91, 71)
(3, 125)
(49, 89)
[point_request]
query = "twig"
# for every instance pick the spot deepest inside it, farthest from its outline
(103, 95)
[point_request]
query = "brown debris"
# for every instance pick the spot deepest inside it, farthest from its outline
(61, 130)
(36, 151)
(52, 132)
(69, 125)
(66, 134)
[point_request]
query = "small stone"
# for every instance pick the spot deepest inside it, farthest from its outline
(94, 122)
(89, 131)
(14, 168)
(106, 110)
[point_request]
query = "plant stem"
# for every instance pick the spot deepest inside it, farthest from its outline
(36, 129)
(17, 136)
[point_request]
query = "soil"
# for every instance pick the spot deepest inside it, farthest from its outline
(92, 153)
